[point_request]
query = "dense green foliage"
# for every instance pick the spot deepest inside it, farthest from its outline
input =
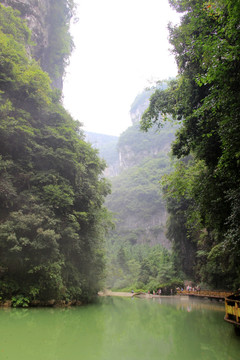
(140, 267)
(52, 222)
(206, 98)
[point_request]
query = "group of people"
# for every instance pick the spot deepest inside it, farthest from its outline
(159, 291)
(192, 288)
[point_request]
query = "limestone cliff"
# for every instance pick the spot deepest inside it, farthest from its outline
(135, 145)
(51, 42)
(36, 15)
(139, 105)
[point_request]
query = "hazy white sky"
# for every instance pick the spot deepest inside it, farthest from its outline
(120, 45)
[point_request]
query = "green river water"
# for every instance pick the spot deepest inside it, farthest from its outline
(120, 329)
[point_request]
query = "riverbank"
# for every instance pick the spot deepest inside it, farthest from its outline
(216, 295)
(129, 294)
(114, 293)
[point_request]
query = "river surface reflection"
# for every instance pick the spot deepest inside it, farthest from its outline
(120, 329)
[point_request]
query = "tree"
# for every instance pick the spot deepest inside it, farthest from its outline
(205, 98)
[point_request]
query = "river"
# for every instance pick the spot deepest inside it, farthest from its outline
(120, 329)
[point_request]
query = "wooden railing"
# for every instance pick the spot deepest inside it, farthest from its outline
(218, 294)
(232, 308)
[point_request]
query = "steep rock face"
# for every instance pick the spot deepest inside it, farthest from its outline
(136, 200)
(139, 105)
(126, 156)
(111, 170)
(136, 161)
(150, 230)
(129, 157)
(135, 145)
(136, 113)
(37, 15)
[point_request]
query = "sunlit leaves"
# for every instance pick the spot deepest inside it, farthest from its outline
(11, 24)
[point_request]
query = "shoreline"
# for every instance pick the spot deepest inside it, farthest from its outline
(129, 294)
(211, 295)
(114, 293)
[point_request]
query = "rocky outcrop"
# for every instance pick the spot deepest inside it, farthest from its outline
(135, 145)
(151, 230)
(128, 157)
(112, 170)
(37, 14)
(139, 105)
(136, 113)
(136, 200)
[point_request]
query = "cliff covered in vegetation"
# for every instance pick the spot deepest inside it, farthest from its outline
(137, 249)
(52, 222)
(51, 43)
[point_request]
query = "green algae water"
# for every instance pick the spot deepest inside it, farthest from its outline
(120, 329)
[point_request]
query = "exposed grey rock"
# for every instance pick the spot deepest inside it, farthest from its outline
(36, 13)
